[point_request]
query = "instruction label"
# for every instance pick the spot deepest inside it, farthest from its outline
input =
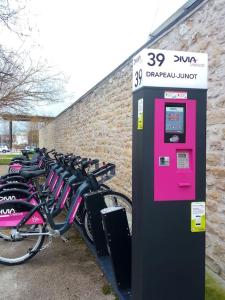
(140, 115)
(198, 218)
(175, 95)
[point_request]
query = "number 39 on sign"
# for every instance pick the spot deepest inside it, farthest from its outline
(153, 59)
(138, 77)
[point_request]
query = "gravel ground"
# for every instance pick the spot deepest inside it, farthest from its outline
(62, 271)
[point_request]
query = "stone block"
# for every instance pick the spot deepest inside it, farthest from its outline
(213, 159)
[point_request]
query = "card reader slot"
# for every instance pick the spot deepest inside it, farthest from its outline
(184, 184)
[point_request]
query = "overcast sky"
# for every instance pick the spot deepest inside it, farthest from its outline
(87, 39)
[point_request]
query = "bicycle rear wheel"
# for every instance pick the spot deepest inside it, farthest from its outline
(17, 246)
(111, 198)
(79, 218)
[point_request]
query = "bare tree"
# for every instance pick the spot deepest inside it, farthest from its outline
(7, 14)
(11, 13)
(24, 83)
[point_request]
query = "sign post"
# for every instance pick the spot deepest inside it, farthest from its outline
(169, 158)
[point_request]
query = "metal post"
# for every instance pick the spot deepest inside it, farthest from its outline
(10, 135)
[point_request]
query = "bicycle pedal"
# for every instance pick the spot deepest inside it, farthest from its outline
(65, 240)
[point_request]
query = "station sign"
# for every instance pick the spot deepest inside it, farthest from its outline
(166, 68)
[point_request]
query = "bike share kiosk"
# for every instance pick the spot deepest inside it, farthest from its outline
(169, 172)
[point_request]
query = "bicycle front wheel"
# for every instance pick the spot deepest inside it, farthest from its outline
(17, 246)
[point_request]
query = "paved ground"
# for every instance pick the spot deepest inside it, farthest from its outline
(64, 271)
(3, 169)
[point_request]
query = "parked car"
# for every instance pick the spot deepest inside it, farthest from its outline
(4, 149)
(30, 149)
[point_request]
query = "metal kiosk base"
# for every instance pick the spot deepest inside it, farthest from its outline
(103, 260)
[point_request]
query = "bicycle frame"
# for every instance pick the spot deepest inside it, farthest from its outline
(32, 213)
(75, 204)
(56, 229)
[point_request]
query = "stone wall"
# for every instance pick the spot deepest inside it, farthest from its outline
(99, 124)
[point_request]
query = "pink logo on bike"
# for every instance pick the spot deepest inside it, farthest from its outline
(53, 186)
(50, 177)
(65, 197)
(13, 219)
(78, 202)
(15, 167)
(58, 191)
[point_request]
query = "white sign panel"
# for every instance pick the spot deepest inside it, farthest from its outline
(164, 68)
(140, 114)
(198, 218)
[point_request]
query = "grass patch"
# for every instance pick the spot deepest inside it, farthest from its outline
(6, 158)
(106, 289)
(213, 290)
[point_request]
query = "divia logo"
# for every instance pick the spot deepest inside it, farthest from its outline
(137, 59)
(8, 211)
(6, 198)
(185, 59)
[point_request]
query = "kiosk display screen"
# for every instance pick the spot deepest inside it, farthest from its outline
(174, 119)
